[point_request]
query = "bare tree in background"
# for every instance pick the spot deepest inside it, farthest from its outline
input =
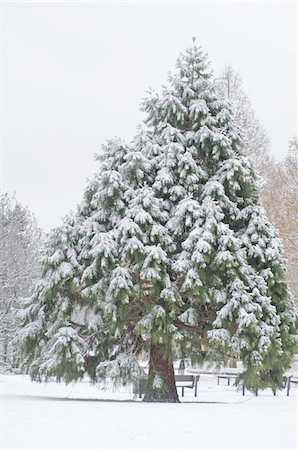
(229, 85)
(20, 241)
(279, 187)
(280, 198)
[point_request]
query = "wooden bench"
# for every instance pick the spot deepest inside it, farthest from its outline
(228, 377)
(187, 381)
(183, 381)
(139, 387)
(256, 390)
(290, 379)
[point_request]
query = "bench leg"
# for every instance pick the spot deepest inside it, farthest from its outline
(228, 381)
(182, 391)
(288, 386)
(243, 389)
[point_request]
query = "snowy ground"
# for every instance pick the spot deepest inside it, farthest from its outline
(79, 416)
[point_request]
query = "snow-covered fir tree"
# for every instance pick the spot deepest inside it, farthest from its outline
(169, 253)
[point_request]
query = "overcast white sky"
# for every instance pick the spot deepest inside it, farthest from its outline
(74, 74)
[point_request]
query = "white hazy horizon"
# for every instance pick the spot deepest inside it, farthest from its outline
(74, 73)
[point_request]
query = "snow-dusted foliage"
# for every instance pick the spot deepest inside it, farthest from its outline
(169, 250)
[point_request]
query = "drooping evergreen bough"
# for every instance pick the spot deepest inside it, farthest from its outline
(169, 254)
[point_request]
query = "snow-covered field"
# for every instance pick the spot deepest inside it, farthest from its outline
(79, 416)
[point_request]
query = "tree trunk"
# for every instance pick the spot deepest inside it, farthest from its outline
(5, 348)
(233, 363)
(161, 385)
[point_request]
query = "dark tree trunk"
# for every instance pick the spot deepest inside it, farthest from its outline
(161, 385)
